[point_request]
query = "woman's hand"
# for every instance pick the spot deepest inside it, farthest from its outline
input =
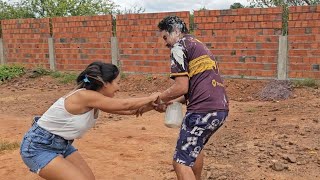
(154, 97)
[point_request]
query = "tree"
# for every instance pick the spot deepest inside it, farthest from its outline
(133, 10)
(54, 8)
(14, 11)
(236, 5)
(61, 8)
(275, 3)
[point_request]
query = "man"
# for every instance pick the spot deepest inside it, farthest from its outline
(198, 83)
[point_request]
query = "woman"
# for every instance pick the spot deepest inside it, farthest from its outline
(47, 147)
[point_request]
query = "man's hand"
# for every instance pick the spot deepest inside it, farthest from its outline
(144, 109)
(162, 107)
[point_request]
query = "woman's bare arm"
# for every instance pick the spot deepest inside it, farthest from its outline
(96, 100)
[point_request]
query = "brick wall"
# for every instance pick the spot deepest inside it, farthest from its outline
(244, 41)
(141, 47)
(81, 40)
(26, 41)
(304, 42)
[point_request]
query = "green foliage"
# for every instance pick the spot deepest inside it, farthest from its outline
(149, 78)
(192, 24)
(285, 19)
(39, 71)
(61, 8)
(15, 10)
(58, 8)
(5, 145)
(123, 75)
(203, 8)
(56, 74)
(8, 72)
(55, 8)
(277, 3)
(64, 77)
(236, 5)
(133, 10)
(306, 83)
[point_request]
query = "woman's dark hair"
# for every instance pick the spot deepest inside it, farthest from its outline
(171, 22)
(96, 72)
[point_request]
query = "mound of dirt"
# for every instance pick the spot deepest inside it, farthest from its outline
(276, 90)
(145, 83)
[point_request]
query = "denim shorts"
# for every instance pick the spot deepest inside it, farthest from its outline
(39, 147)
(196, 129)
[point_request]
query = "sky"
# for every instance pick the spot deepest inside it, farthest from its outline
(177, 5)
(174, 5)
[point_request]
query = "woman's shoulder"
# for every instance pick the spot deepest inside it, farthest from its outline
(85, 94)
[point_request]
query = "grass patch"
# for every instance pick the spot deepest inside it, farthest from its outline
(64, 78)
(5, 145)
(40, 71)
(8, 72)
(123, 75)
(251, 110)
(306, 83)
(149, 78)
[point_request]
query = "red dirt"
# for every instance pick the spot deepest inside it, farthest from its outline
(260, 140)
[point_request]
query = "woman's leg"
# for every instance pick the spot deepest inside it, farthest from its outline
(62, 169)
(76, 159)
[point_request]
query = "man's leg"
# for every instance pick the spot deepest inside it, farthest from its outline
(197, 168)
(183, 172)
(192, 138)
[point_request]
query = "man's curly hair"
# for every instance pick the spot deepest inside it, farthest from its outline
(171, 22)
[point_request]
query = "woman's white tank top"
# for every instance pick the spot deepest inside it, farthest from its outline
(59, 121)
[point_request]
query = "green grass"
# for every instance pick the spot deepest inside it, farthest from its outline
(42, 71)
(8, 72)
(5, 145)
(251, 110)
(306, 83)
(64, 77)
(149, 78)
(123, 75)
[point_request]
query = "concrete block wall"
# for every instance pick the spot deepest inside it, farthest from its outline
(140, 46)
(244, 41)
(304, 42)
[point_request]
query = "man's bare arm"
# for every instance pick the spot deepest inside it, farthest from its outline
(178, 89)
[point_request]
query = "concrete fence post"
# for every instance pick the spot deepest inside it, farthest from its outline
(2, 58)
(114, 50)
(282, 65)
(52, 59)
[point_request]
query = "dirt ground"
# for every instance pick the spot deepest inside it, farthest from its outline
(275, 139)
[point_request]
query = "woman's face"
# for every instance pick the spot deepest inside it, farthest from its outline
(109, 89)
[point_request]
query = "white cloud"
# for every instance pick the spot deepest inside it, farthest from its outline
(177, 5)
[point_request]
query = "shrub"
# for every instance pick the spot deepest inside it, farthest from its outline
(8, 72)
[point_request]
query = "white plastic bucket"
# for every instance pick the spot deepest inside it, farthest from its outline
(173, 116)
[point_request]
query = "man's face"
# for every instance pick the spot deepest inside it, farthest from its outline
(170, 38)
